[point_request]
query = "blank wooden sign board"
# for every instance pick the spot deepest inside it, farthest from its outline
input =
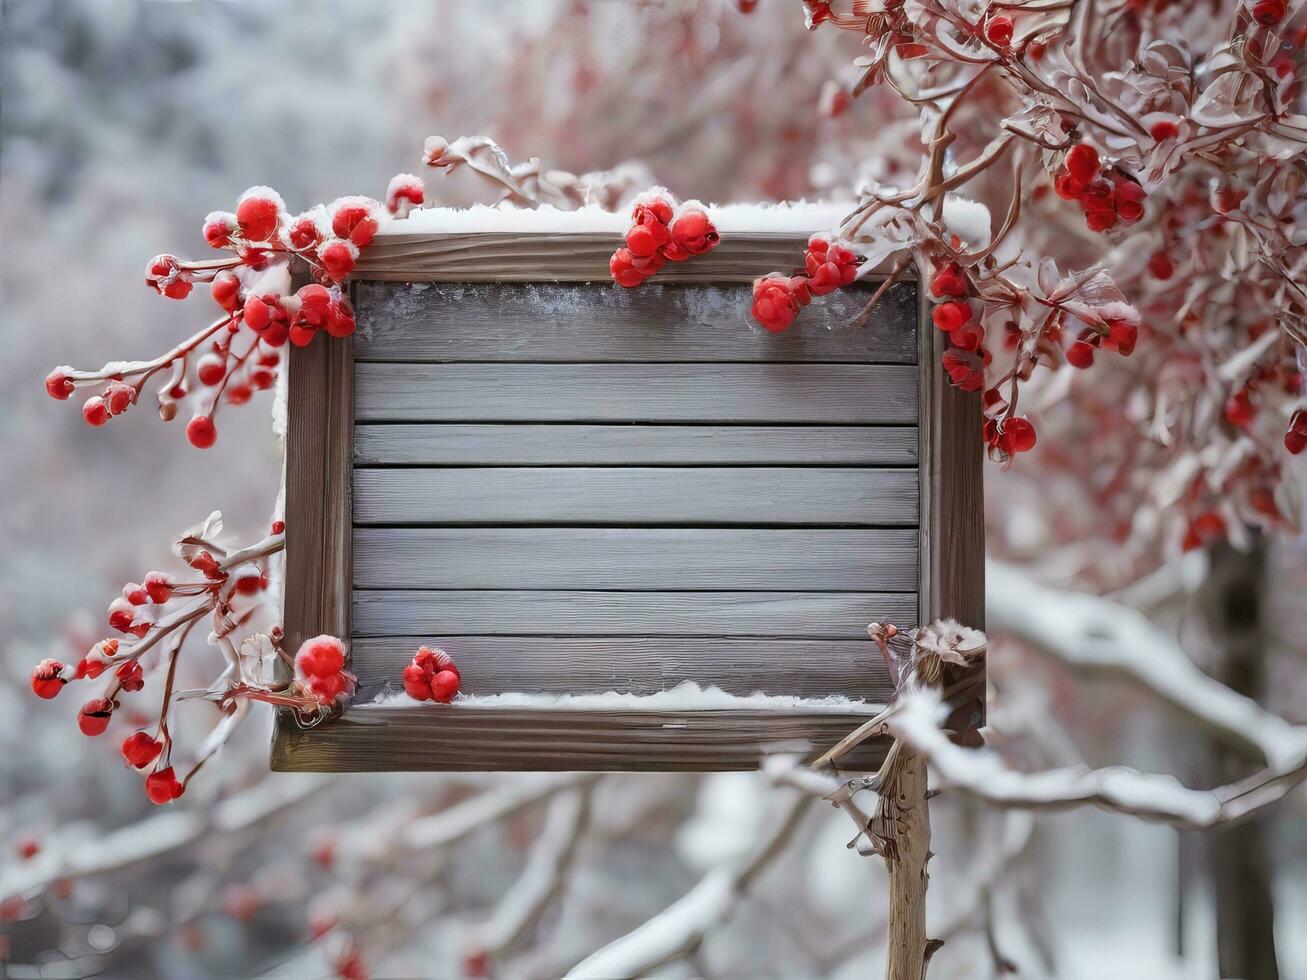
(577, 489)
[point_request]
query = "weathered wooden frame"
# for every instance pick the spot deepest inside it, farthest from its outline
(319, 562)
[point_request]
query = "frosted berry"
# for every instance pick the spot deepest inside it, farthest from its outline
(777, 300)
(352, 219)
(201, 432)
(949, 281)
(135, 594)
(139, 749)
(1018, 436)
(693, 232)
(320, 656)
(829, 266)
(1269, 13)
(1080, 354)
(338, 257)
(159, 586)
(95, 411)
(431, 676)
(219, 226)
(211, 369)
(163, 787)
(130, 676)
(225, 290)
(1129, 200)
(623, 271)
(47, 679)
(118, 397)
(404, 193)
(94, 716)
(58, 385)
(258, 213)
(304, 233)
(999, 31)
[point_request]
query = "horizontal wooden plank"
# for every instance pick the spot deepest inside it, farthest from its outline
(841, 615)
(850, 560)
(603, 322)
(687, 445)
(431, 738)
(634, 665)
(635, 496)
(830, 393)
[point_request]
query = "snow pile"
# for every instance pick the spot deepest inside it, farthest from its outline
(686, 696)
(799, 217)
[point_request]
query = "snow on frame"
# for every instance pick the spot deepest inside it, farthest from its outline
(799, 217)
(686, 696)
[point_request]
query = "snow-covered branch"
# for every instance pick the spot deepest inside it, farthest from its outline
(680, 929)
(1150, 796)
(1089, 632)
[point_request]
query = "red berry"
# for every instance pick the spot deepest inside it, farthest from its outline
(641, 241)
(1129, 200)
(118, 397)
(321, 656)
(163, 787)
(1082, 162)
(27, 848)
(257, 214)
(225, 290)
(1161, 266)
(278, 527)
(777, 299)
(338, 257)
(444, 686)
(47, 679)
(1164, 129)
(693, 232)
(403, 193)
(353, 220)
(1294, 441)
(139, 749)
(623, 271)
(201, 432)
(431, 676)
(219, 226)
(159, 586)
(1080, 354)
(1018, 435)
(58, 385)
(95, 411)
(211, 369)
(130, 676)
(135, 594)
(93, 719)
(949, 316)
(1100, 220)
(257, 313)
(1269, 13)
(999, 31)
(1239, 409)
(949, 281)
(966, 337)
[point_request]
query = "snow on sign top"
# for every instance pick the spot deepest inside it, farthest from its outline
(793, 218)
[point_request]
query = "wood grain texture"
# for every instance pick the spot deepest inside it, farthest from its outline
(820, 393)
(636, 496)
(573, 322)
(513, 258)
(407, 739)
(318, 457)
(851, 560)
(493, 612)
(635, 665)
(408, 444)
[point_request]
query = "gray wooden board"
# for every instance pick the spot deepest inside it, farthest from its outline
(815, 393)
(494, 612)
(635, 665)
(680, 559)
(414, 739)
(582, 322)
(635, 496)
(506, 444)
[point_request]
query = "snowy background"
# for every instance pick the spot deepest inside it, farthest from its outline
(124, 123)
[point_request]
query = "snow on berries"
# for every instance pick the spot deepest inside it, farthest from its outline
(661, 232)
(258, 213)
(404, 193)
(48, 679)
(93, 718)
(1107, 197)
(432, 676)
(320, 671)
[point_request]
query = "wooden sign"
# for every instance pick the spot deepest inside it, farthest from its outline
(578, 489)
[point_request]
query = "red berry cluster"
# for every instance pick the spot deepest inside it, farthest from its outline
(777, 299)
(432, 676)
(213, 364)
(131, 612)
(1107, 198)
(661, 232)
(320, 670)
(966, 358)
(1119, 334)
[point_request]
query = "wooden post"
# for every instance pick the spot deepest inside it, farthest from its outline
(907, 827)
